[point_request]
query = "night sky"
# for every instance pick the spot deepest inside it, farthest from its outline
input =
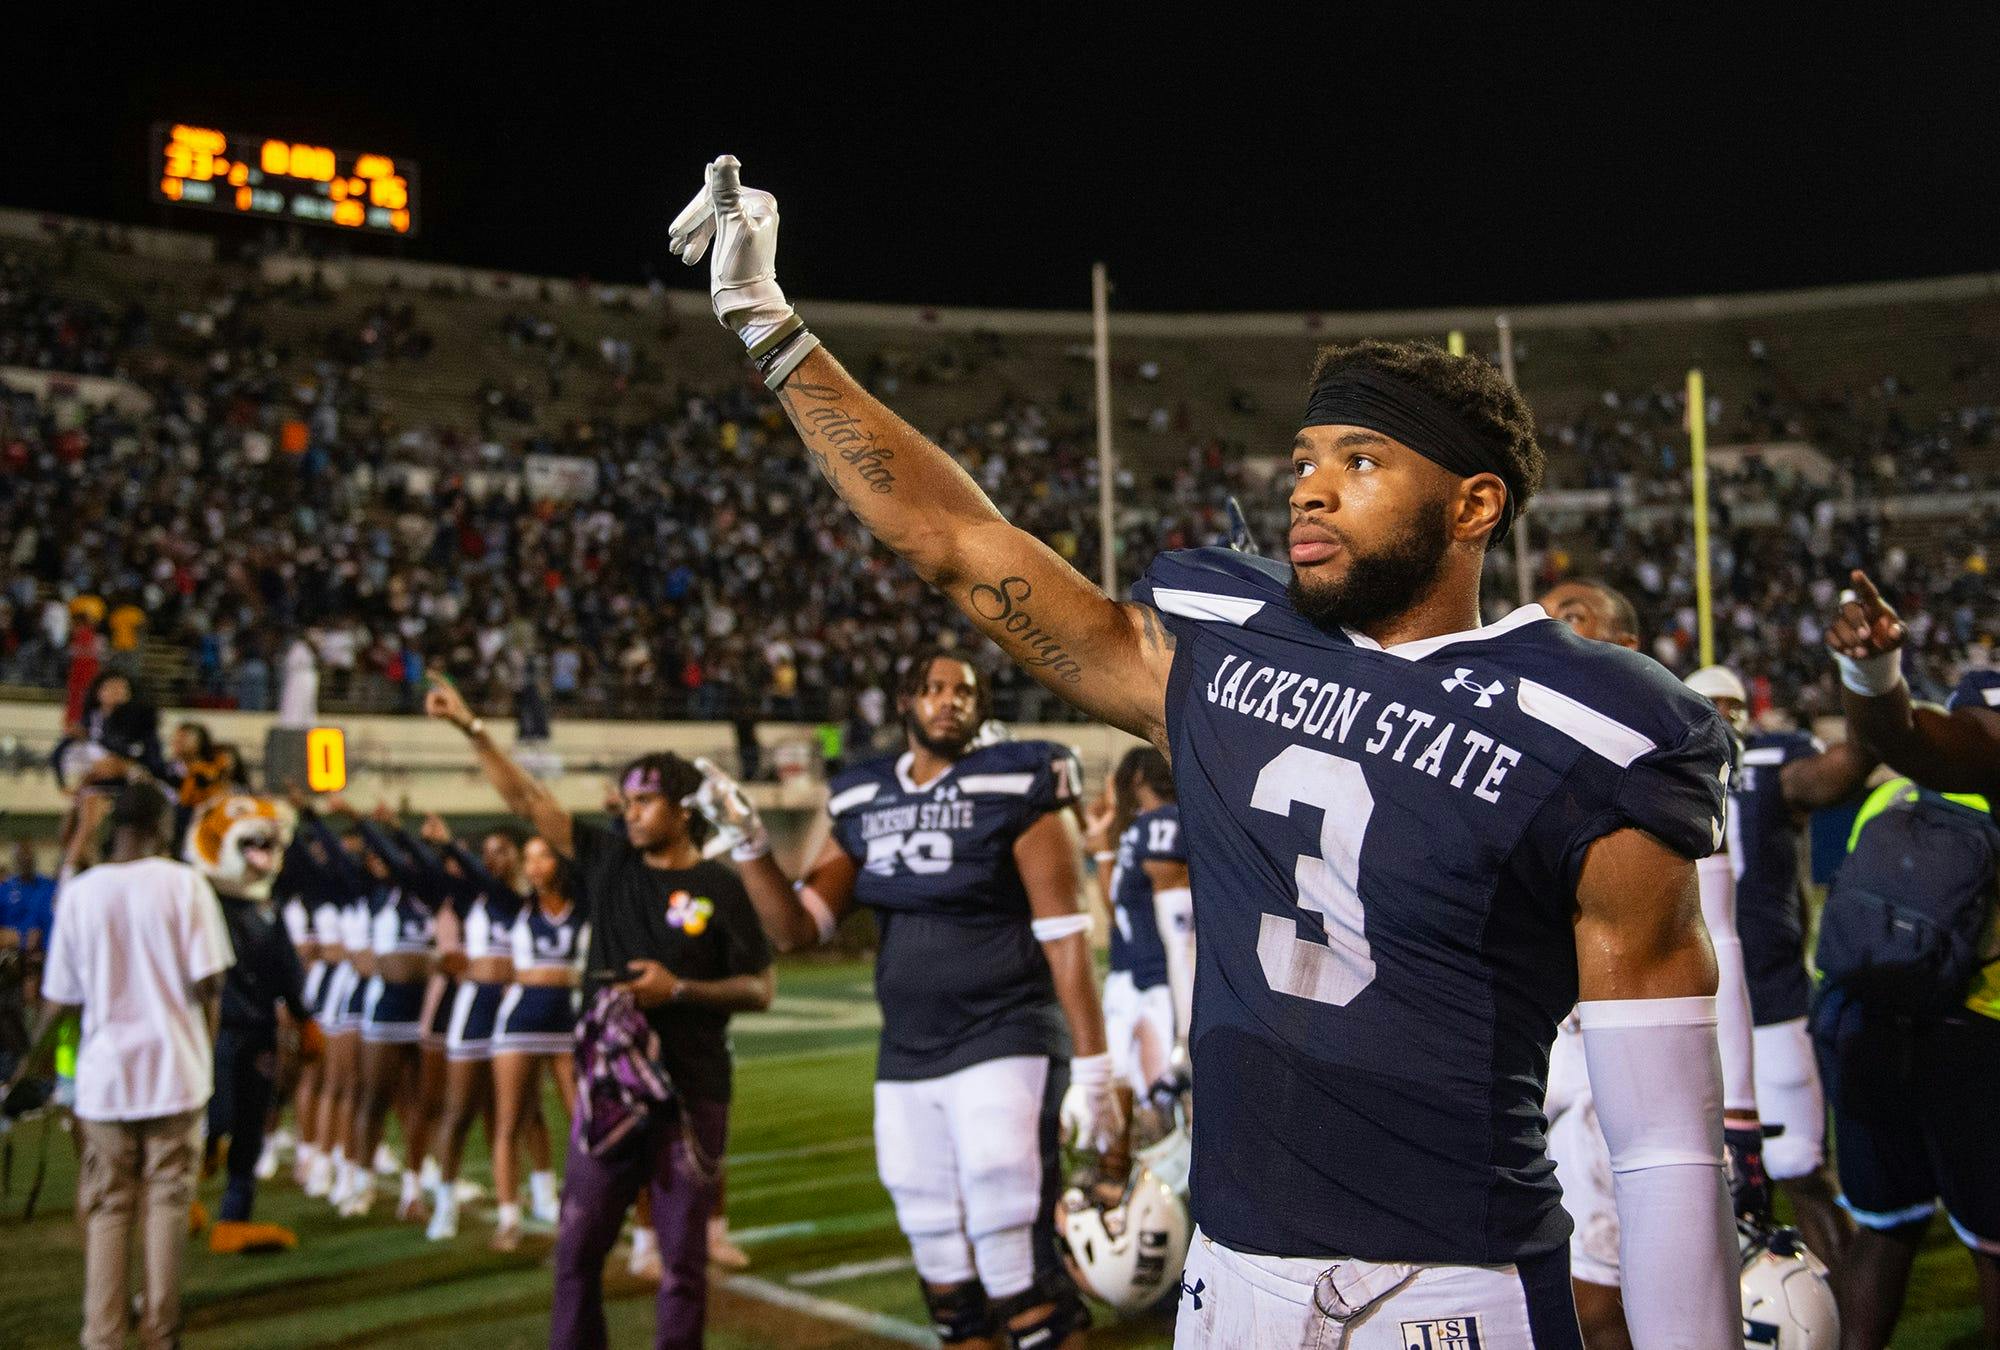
(988, 156)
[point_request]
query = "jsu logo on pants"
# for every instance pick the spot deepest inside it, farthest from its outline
(1451, 1333)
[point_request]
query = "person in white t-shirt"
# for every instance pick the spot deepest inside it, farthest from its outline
(140, 946)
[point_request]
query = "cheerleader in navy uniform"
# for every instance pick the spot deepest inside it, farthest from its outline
(401, 928)
(342, 920)
(537, 1021)
(487, 901)
(419, 867)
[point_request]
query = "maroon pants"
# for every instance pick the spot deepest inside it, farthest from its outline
(597, 1192)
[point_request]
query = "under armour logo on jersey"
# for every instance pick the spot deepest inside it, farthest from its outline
(1193, 1291)
(1450, 1333)
(1462, 679)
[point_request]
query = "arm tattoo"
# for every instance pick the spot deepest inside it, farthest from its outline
(1155, 635)
(821, 416)
(1035, 647)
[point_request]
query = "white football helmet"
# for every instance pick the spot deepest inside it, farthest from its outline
(1131, 1253)
(1787, 1300)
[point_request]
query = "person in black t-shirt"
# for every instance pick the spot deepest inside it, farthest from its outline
(680, 935)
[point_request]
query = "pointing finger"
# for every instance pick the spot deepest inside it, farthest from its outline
(1865, 590)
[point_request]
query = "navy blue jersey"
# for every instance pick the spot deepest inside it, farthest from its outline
(1136, 948)
(958, 972)
(1770, 902)
(1384, 846)
(1977, 688)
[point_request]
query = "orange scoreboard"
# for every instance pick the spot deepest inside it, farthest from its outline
(264, 177)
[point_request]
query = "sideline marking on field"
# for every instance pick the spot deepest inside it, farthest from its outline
(846, 1223)
(879, 1324)
(854, 1145)
(850, 1270)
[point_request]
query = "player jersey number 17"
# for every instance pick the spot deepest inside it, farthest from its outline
(1336, 969)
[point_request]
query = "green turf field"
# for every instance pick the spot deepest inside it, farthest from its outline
(830, 1273)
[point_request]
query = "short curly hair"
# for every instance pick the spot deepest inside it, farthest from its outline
(1468, 386)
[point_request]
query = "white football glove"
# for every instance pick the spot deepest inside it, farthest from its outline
(1092, 1118)
(742, 223)
(738, 827)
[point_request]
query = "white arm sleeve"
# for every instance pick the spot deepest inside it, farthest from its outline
(1717, 880)
(1174, 911)
(1657, 1083)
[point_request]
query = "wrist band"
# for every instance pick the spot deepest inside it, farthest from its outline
(1871, 676)
(1108, 855)
(778, 367)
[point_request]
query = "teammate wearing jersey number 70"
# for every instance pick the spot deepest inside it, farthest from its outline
(1413, 843)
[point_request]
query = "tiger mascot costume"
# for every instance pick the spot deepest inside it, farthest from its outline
(238, 842)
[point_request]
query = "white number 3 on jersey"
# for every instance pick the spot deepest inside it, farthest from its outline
(1335, 970)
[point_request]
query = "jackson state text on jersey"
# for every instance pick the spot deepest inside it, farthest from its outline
(1136, 947)
(1770, 904)
(1384, 847)
(958, 972)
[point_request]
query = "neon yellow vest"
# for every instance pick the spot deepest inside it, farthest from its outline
(1985, 996)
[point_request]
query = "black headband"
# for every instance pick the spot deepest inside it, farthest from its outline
(1363, 397)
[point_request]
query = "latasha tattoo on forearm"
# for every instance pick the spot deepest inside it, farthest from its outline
(1035, 647)
(826, 424)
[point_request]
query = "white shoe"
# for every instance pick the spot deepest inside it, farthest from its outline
(645, 1260)
(319, 1177)
(267, 1161)
(357, 1205)
(410, 1204)
(431, 1175)
(545, 1202)
(467, 1192)
(386, 1163)
(444, 1217)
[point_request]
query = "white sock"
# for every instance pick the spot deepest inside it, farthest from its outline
(644, 1244)
(413, 1187)
(509, 1216)
(430, 1174)
(542, 1189)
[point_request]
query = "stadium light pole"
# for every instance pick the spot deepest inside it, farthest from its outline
(1100, 325)
(1704, 606)
(1522, 579)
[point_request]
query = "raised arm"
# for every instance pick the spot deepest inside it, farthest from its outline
(524, 796)
(792, 916)
(1108, 659)
(1947, 751)
(1647, 981)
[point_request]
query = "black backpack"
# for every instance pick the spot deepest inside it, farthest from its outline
(1904, 918)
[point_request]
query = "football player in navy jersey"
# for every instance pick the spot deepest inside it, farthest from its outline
(1413, 842)
(1149, 989)
(1783, 776)
(992, 1038)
